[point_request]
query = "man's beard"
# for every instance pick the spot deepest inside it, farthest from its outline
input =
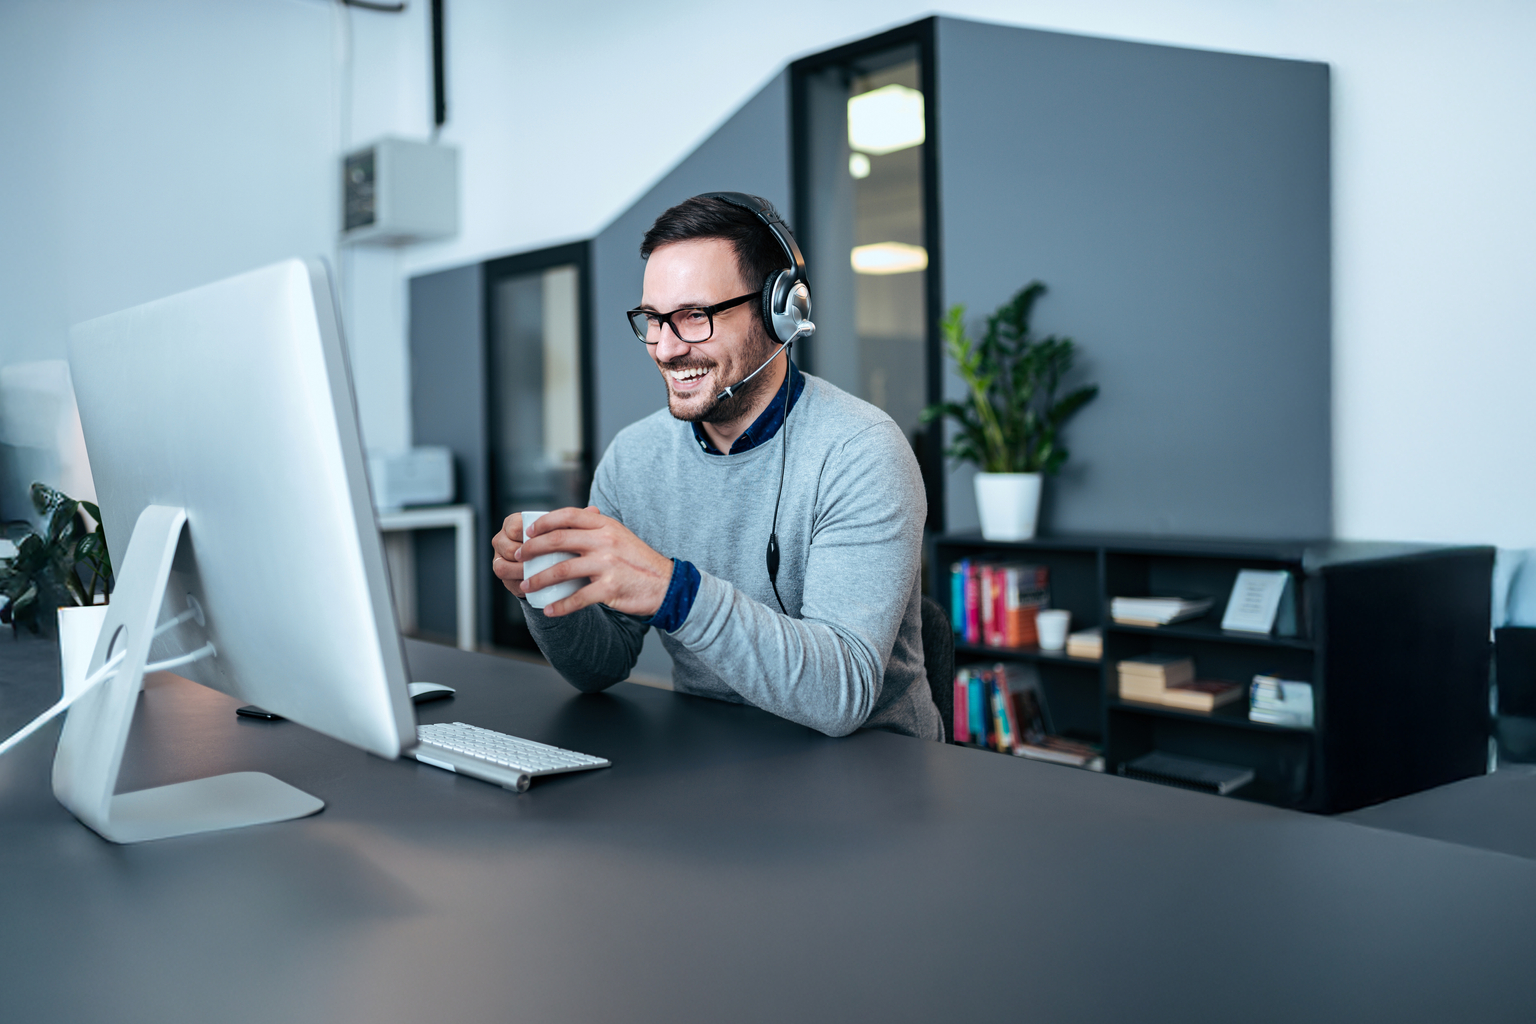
(732, 407)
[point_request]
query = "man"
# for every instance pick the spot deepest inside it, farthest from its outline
(685, 500)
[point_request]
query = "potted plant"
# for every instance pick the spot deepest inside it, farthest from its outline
(65, 565)
(1010, 426)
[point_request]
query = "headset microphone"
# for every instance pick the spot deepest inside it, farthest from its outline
(728, 392)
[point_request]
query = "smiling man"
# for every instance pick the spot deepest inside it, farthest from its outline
(821, 625)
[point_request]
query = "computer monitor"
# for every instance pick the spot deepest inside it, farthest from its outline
(224, 443)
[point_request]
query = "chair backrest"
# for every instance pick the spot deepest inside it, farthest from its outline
(939, 661)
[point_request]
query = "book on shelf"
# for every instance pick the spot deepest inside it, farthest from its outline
(1201, 695)
(1059, 750)
(1002, 708)
(1279, 701)
(962, 718)
(1147, 676)
(1157, 611)
(973, 708)
(957, 573)
(1261, 601)
(1188, 773)
(1086, 643)
(994, 604)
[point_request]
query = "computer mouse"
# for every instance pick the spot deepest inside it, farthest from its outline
(423, 692)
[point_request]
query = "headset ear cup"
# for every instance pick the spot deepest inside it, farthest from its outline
(770, 288)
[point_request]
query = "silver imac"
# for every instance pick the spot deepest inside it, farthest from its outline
(223, 439)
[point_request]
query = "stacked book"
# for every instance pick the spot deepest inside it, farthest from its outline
(1280, 702)
(1169, 679)
(1157, 611)
(994, 604)
(1087, 643)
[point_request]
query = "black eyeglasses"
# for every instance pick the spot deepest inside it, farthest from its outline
(692, 324)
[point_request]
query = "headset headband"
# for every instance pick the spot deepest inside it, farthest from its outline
(770, 218)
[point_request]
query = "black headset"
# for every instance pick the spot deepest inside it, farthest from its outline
(786, 313)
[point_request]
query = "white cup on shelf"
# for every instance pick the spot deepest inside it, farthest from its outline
(545, 596)
(1052, 624)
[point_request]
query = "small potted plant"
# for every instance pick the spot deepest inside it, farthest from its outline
(1010, 426)
(65, 565)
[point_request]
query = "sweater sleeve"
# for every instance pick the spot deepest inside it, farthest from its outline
(825, 669)
(597, 646)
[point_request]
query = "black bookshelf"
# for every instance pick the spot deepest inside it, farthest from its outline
(1393, 638)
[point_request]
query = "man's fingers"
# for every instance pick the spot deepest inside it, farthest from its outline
(512, 526)
(592, 593)
(504, 546)
(506, 569)
(570, 569)
(576, 541)
(588, 518)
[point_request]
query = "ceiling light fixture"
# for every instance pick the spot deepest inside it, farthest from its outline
(886, 120)
(889, 258)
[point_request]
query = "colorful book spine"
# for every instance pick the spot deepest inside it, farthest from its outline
(988, 605)
(999, 607)
(957, 574)
(976, 708)
(1013, 615)
(972, 603)
(962, 714)
(1008, 724)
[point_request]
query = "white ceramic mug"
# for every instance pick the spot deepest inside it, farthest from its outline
(1052, 624)
(545, 596)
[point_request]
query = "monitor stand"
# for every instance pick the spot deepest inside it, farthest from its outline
(90, 751)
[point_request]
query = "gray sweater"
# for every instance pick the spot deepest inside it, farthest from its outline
(849, 654)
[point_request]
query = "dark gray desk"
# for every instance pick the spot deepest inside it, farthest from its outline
(730, 866)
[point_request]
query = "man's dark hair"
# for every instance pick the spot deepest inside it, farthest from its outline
(758, 252)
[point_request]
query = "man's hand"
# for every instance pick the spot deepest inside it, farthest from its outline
(505, 565)
(626, 574)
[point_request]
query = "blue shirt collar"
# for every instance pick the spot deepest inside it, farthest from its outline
(766, 425)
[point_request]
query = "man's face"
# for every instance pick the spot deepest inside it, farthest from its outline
(703, 272)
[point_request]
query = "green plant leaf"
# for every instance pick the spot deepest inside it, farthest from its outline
(1011, 419)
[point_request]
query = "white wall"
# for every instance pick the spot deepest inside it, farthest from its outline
(151, 145)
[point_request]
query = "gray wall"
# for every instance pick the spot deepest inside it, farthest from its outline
(1176, 202)
(748, 153)
(447, 332)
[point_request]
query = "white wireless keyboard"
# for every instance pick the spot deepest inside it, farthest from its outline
(494, 756)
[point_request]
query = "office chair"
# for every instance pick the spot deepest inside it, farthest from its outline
(939, 662)
(1514, 655)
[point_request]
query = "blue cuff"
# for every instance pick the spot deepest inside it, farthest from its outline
(669, 618)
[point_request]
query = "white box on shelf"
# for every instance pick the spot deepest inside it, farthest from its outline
(419, 476)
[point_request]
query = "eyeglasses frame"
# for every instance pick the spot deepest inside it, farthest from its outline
(666, 319)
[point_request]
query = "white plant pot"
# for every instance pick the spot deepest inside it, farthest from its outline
(78, 631)
(1009, 504)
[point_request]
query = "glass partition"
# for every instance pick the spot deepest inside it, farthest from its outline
(863, 167)
(539, 405)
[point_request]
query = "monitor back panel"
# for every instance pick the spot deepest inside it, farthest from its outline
(234, 401)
